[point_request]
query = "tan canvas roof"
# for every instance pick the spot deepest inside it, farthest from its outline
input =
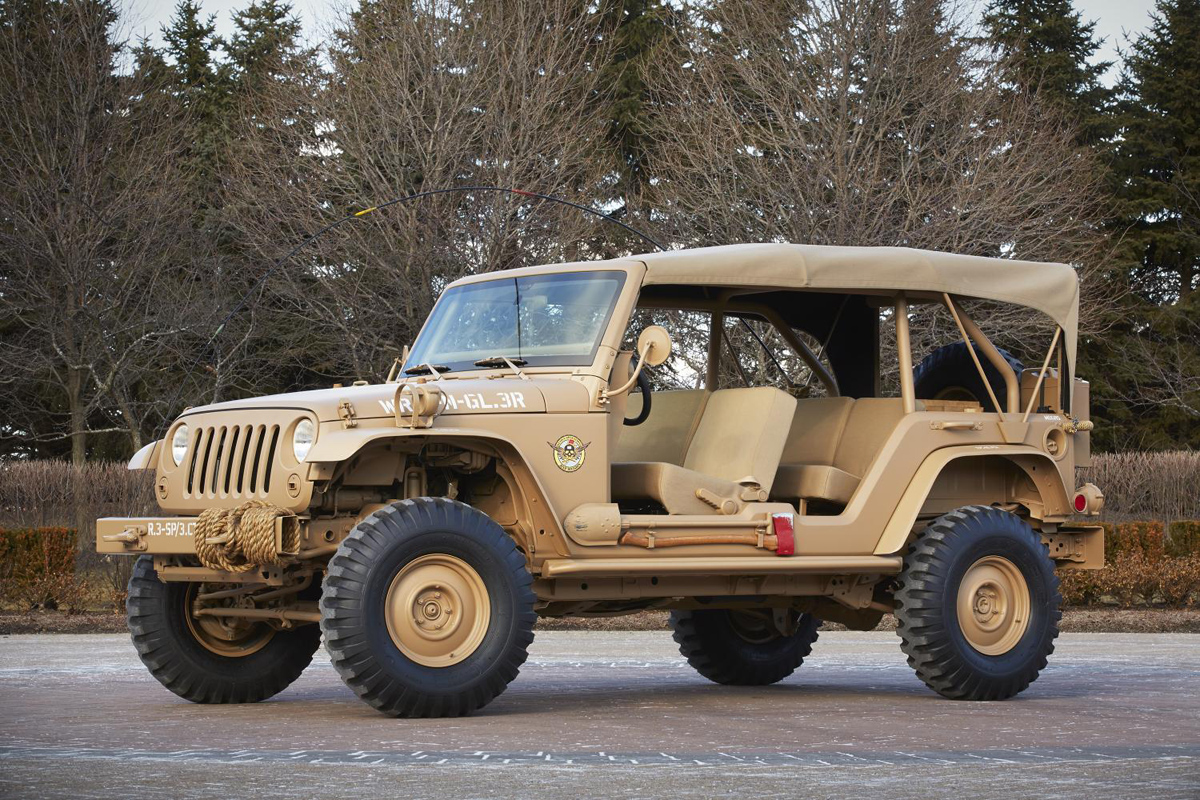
(1050, 288)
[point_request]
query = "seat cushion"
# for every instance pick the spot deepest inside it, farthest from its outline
(672, 486)
(814, 482)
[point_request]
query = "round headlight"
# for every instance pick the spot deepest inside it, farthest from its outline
(179, 444)
(302, 439)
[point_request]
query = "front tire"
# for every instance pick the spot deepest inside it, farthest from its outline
(743, 648)
(201, 660)
(428, 609)
(978, 606)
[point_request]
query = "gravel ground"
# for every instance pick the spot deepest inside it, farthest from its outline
(616, 714)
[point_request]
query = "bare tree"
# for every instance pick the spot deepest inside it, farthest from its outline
(422, 96)
(864, 122)
(86, 226)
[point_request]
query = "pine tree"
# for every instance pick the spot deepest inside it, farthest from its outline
(641, 29)
(1153, 356)
(1049, 50)
(265, 42)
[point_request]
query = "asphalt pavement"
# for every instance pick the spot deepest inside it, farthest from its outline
(604, 714)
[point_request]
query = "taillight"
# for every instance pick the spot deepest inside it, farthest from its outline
(1088, 499)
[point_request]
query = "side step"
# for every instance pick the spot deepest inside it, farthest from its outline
(885, 565)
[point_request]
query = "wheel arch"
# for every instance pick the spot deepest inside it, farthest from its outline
(1041, 489)
(535, 523)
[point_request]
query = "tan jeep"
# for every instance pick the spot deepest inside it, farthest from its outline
(507, 470)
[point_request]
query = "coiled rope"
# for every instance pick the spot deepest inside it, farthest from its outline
(243, 538)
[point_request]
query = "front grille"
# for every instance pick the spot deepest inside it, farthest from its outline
(232, 460)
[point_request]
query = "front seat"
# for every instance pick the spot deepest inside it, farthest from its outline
(731, 459)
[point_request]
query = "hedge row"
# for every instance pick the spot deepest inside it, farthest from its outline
(37, 569)
(1146, 563)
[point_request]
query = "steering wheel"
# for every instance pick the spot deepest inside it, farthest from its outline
(643, 382)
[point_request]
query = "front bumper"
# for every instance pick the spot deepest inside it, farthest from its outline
(165, 535)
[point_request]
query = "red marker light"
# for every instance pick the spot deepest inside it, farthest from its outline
(1080, 503)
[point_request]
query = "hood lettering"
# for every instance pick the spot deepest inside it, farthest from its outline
(472, 401)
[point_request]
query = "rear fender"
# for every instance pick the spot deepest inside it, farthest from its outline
(1043, 493)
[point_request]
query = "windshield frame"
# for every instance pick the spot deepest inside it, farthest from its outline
(604, 331)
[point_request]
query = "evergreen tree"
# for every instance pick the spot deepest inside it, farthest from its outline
(202, 85)
(265, 42)
(1049, 49)
(1152, 358)
(642, 29)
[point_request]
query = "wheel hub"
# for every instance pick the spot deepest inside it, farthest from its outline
(231, 637)
(993, 605)
(437, 610)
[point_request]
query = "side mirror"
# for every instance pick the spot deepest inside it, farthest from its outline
(654, 345)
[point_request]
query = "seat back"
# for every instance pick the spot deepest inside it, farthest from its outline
(667, 432)
(817, 427)
(869, 424)
(741, 433)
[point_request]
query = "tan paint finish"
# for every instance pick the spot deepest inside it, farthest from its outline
(556, 502)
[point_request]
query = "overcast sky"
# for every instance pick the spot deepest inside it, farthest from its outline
(1115, 19)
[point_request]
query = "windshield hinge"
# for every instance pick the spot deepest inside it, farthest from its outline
(346, 412)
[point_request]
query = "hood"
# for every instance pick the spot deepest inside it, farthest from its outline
(463, 396)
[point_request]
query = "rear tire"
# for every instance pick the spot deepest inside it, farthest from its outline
(172, 644)
(428, 609)
(978, 606)
(742, 648)
(949, 373)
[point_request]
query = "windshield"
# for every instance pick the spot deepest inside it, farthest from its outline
(542, 320)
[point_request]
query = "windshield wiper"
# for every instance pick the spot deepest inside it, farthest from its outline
(504, 361)
(427, 369)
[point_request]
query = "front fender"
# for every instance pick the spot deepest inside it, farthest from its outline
(1038, 466)
(340, 445)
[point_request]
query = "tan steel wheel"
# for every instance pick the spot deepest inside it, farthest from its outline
(755, 627)
(437, 610)
(226, 636)
(993, 605)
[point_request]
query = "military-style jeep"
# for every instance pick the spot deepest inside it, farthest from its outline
(507, 469)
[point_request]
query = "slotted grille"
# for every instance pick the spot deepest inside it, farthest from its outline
(232, 460)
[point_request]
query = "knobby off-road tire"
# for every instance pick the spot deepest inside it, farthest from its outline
(739, 648)
(428, 609)
(949, 373)
(978, 605)
(198, 666)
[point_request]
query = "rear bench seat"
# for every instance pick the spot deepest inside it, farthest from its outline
(831, 444)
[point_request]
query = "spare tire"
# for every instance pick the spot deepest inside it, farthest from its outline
(949, 373)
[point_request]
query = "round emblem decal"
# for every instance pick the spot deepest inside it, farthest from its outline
(569, 452)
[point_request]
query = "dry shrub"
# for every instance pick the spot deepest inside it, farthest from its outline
(1142, 538)
(37, 569)
(1079, 587)
(1184, 539)
(1150, 485)
(1133, 578)
(116, 572)
(1179, 580)
(48, 493)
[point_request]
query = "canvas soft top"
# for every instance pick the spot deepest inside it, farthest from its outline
(1050, 288)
